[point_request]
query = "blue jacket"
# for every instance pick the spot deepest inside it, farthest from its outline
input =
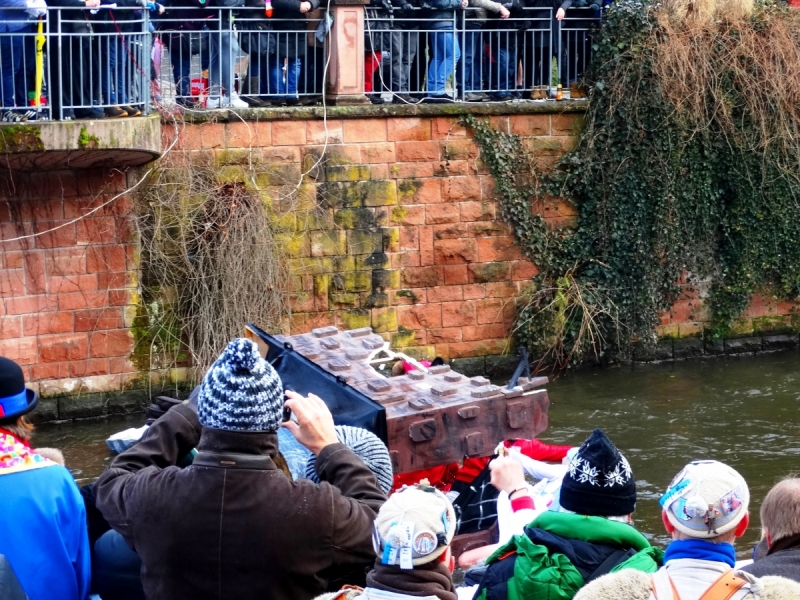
(44, 536)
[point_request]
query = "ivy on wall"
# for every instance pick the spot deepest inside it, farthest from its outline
(689, 163)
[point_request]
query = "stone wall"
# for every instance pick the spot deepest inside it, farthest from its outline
(396, 228)
(66, 295)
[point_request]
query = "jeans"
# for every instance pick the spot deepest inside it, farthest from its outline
(469, 72)
(220, 72)
(10, 60)
(404, 49)
(504, 73)
(115, 71)
(445, 53)
(277, 84)
(115, 569)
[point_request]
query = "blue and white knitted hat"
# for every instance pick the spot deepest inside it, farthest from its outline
(241, 391)
(368, 447)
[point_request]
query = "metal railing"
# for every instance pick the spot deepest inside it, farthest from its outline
(110, 61)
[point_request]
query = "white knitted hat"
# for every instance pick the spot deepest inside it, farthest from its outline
(706, 499)
(417, 517)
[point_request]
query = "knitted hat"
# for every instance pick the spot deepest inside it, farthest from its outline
(241, 391)
(599, 481)
(368, 447)
(417, 520)
(706, 499)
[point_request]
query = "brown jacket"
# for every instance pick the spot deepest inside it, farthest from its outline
(232, 526)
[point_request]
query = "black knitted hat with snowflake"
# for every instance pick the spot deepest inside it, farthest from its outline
(599, 481)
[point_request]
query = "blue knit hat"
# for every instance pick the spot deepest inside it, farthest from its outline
(368, 447)
(241, 391)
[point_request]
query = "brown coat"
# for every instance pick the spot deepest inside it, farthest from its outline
(232, 526)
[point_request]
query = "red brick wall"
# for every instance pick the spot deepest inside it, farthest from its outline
(64, 293)
(399, 228)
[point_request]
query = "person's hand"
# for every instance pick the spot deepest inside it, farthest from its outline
(504, 12)
(314, 426)
(507, 474)
(305, 7)
(92, 3)
(560, 14)
(464, 3)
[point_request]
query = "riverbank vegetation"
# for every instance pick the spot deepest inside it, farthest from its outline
(689, 163)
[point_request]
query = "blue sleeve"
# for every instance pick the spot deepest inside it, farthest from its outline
(79, 543)
(444, 4)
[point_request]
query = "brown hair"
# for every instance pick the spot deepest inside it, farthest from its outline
(780, 512)
(21, 428)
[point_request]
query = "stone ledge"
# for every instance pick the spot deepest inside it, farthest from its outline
(50, 145)
(388, 110)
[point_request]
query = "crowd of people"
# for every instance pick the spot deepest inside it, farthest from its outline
(97, 58)
(205, 506)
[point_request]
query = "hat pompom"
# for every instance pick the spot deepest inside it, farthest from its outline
(242, 355)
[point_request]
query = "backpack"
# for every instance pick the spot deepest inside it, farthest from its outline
(722, 589)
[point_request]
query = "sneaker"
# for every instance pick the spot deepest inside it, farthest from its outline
(213, 102)
(404, 99)
(475, 97)
(89, 113)
(235, 102)
(133, 111)
(115, 112)
(13, 116)
(439, 99)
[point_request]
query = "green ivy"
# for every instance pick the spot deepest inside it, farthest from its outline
(657, 196)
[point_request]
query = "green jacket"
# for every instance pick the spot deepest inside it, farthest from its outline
(531, 567)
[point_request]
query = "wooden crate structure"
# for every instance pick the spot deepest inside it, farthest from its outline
(434, 415)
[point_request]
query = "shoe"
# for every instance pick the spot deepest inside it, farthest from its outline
(115, 112)
(500, 97)
(253, 86)
(213, 102)
(133, 111)
(310, 100)
(292, 101)
(539, 93)
(439, 99)
(234, 101)
(89, 113)
(577, 91)
(475, 97)
(69, 114)
(13, 116)
(404, 99)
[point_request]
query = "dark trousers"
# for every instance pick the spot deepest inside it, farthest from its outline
(69, 59)
(404, 50)
(116, 569)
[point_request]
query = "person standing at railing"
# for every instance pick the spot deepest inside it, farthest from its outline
(542, 44)
(313, 72)
(289, 28)
(224, 52)
(404, 44)
(469, 72)
(181, 32)
(377, 47)
(504, 39)
(445, 50)
(72, 64)
(13, 20)
(254, 26)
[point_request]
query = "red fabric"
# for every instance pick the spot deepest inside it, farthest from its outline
(471, 468)
(522, 503)
(795, 3)
(539, 450)
(372, 61)
(407, 366)
(441, 477)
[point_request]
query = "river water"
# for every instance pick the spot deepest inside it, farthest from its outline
(742, 411)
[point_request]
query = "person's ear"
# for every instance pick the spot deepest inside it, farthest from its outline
(667, 523)
(742, 526)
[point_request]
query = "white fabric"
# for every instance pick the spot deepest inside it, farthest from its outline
(543, 493)
(373, 594)
(467, 592)
(692, 577)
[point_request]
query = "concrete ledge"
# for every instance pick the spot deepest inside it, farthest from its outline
(50, 145)
(388, 110)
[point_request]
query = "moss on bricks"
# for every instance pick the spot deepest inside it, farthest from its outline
(379, 193)
(399, 212)
(355, 318)
(404, 337)
(86, 140)
(384, 320)
(486, 272)
(347, 173)
(351, 218)
(20, 138)
(408, 294)
(408, 188)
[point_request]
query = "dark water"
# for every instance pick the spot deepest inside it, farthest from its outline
(740, 411)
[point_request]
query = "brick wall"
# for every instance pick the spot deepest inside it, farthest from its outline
(65, 295)
(397, 228)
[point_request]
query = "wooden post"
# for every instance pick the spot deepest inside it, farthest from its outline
(346, 71)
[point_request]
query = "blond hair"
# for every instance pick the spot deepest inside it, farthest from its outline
(21, 428)
(780, 512)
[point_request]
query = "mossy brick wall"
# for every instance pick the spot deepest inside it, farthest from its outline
(66, 295)
(397, 228)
